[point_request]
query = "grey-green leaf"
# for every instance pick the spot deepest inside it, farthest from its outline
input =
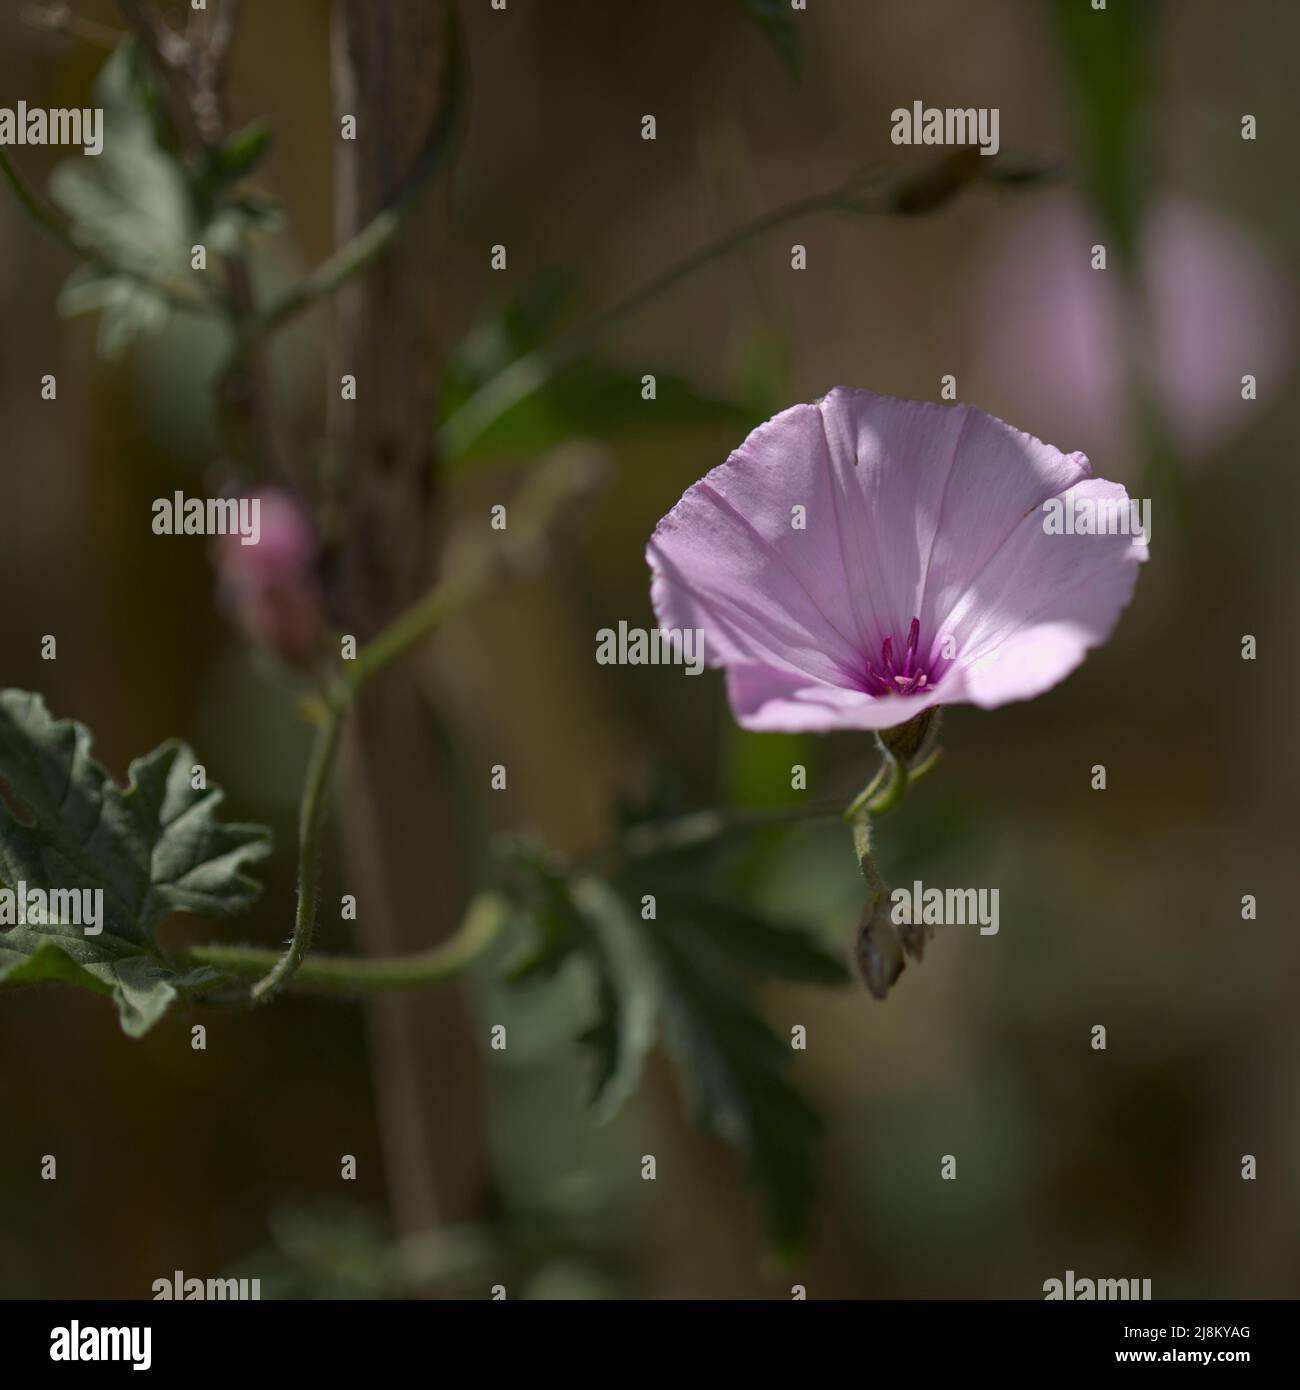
(131, 202)
(132, 207)
(153, 848)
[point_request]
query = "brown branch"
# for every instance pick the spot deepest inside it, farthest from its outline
(400, 808)
(192, 77)
(56, 18)
(169, 54)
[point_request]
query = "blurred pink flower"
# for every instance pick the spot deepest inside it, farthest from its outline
(924, 574)
(1050, 327)
(272, 587)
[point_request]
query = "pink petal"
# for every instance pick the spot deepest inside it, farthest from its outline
(770, 701)
(1032, 613)
(726, 559)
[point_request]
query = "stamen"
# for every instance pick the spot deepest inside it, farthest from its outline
(889, 680)
(913, 637)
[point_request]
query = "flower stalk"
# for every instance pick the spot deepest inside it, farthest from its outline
(909, 751)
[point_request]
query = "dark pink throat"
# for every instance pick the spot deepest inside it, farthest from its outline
(901, 676)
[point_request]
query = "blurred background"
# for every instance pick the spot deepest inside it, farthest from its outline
(1120, 907)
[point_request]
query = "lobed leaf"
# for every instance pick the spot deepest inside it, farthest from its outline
(733, 1067)
(151, 848)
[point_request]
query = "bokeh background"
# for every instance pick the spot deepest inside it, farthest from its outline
(1119, 907)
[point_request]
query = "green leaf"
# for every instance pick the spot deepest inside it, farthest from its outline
(135, 207)
(585, 915)
(127, 307)
(733, 1066)
(776, 19)
(585, 399)
(153, 848)
(628, 994)
(131, 203)
(753, 942)
(259, 213)
(241, 153)
(684, 971)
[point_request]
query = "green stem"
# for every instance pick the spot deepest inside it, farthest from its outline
(364, 248)
(859, 802)
(871, 800)
(311, 816)
(35, 208)
(894, 792)
(444, 601)
(549, 492)
(866, 861)
(549, 489)
(481, 927)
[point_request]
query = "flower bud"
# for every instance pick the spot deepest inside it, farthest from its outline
(272, 588)
(878, 951)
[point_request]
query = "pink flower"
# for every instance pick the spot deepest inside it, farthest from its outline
(923, 573)
(272, 586)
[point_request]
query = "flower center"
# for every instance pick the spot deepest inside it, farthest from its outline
(902, 676)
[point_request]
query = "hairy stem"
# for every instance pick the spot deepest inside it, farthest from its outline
(320, 770)
(481, 928)
(866, 861)
(859, 802)
(548, 493)
(895, 789)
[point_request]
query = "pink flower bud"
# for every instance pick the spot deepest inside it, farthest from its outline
(272, 587)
